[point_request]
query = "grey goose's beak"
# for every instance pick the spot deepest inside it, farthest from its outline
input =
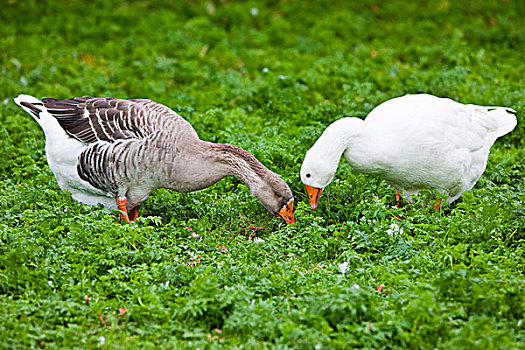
(286, 213)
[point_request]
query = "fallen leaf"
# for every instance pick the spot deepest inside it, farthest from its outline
(101, 318)
(203, 51)
(87, 58)
(122, 311)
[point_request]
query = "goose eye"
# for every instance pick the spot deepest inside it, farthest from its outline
(308, 175)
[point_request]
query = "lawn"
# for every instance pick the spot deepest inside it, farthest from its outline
(213, 268)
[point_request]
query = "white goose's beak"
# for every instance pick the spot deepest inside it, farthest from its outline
(313, 193)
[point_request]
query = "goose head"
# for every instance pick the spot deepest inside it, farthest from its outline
(275, 195)
(321, 161)
(268, 187)
(317, 171)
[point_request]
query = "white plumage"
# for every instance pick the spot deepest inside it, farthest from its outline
(62, 153)
(413, 142)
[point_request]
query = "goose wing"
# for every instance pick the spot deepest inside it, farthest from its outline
(90, 119)
(425, 119)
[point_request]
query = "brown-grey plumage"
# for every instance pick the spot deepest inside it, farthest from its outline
(105, 147)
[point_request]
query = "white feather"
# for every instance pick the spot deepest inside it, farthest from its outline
(413, 142)
(62, 152)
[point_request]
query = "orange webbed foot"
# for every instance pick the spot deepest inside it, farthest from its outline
(398, 199)
(134, 213)
(122, 204)
(437, 204)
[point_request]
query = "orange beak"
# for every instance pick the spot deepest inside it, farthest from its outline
(286, 213)
(314, 194)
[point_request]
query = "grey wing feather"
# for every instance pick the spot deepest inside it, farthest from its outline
(93, 119)
(95, 166)
(124, 128)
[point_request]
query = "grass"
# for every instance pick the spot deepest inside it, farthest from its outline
(268, 77)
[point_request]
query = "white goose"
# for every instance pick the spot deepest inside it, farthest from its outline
(413, 142)
(116, 152)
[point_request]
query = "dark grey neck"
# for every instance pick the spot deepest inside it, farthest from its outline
(206, 163)
(240, 163)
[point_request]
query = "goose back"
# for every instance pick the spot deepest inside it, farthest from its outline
(117, 141)
(109, 119)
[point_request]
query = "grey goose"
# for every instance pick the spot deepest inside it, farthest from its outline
(115, 152)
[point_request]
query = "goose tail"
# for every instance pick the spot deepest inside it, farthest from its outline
(31, 105)
(40, 113)
(505, 118)
(501, 120)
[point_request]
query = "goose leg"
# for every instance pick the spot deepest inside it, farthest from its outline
(437, 204)
(398, 198)
(398, 203)
(134, 213)
(122, 206)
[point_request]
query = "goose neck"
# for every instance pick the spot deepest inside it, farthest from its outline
(240, 163)
(339, 136)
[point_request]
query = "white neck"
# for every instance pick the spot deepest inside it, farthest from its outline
(338, 136)
(321, 161)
